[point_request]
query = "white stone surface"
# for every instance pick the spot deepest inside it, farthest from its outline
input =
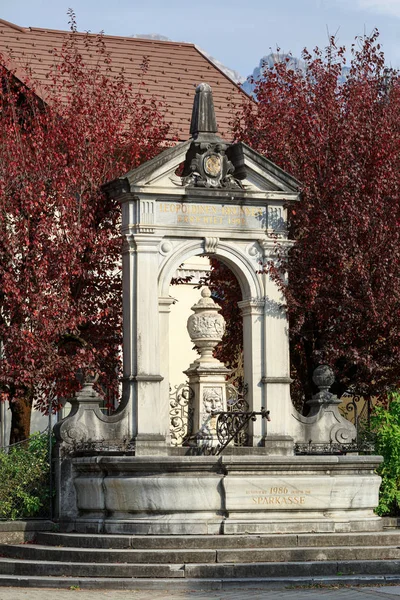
(285, 492)
(234, 494)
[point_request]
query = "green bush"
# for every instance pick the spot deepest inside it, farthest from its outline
(386, 424)
(24, 479)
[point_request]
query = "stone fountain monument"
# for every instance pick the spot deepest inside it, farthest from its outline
(121, 474)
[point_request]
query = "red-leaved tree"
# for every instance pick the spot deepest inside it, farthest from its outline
(340, 137)
(60, 279)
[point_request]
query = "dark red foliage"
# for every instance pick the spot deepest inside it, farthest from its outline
(341, 139)
(60, 276)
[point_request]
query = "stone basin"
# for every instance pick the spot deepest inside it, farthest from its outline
(226, 494)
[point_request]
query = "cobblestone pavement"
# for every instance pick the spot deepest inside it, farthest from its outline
(332, 593)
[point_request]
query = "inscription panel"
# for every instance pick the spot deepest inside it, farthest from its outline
(295, 493)
(211, 215)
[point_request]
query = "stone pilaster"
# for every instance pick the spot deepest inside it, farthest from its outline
(252, 312)
(276, 361)
(164, 312)
(142, 377)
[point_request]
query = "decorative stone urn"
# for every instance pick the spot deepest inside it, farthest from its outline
(206, 326)
(207, 375)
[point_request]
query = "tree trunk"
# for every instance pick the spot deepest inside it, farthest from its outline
(21, 409)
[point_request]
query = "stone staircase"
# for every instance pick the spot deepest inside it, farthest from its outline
(68, 560)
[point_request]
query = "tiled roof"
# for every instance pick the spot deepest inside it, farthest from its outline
(174, 71)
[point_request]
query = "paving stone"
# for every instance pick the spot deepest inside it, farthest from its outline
(353, 593)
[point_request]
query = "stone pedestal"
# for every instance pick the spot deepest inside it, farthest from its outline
(209, 387)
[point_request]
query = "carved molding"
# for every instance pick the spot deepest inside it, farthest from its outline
(276, 219)
(164, 304)
(139, 228)
(253, 250)
(208, 166)
(165, 247)
(252, 306)
(128, 243)
(265, 380)
(86, 421)
(343, 433)
(147, 212)
(212, 399)
(140, 378)
(206, 326)
(211, 245)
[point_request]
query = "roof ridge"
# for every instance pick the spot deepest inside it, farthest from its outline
(14, 26)
(105, 35)
(237, 85)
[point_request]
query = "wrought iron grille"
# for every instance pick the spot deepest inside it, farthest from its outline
(357, 408)
(89, 447)
(231, 424)
(313, 448)
(236, 402)
(181, 413)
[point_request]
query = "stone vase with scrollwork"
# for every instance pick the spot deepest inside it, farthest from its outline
(207, 375)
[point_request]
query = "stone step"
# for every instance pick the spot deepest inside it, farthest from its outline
(217, 576)
(293, 569)
(386, 538)
(166, 542)
(37, 552)
(10, 566)
(331, 553)
(188, 585)
(167, 556)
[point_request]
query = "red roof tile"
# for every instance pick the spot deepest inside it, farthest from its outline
(175, 69)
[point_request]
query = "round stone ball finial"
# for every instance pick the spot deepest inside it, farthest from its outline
(323, 377)
(206, 292)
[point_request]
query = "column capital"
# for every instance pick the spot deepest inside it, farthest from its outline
(268, 246)
(164, 303)
(139, 242)
(252, 306)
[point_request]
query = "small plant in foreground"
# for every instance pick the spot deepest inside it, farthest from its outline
(386, 423)
(24, 479)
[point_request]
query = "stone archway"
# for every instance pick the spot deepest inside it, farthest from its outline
(252, 303)
(241, 265)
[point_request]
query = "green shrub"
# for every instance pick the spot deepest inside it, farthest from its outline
(386, 424)
(24, 479)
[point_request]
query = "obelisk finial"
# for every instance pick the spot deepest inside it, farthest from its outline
(203, 114)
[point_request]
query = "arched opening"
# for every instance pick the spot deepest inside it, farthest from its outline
(193, 276)
(186, 284)
(240, 295)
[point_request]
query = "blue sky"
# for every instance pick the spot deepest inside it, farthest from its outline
(236, 32)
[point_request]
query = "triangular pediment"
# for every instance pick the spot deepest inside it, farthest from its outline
(161, 174)
(264, 175)
(160, 170)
